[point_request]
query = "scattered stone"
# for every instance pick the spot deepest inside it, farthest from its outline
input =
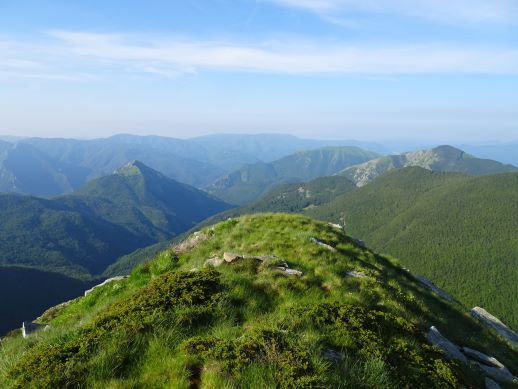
(503, 375)
(260, 257)
(194, 270)
(28, 327)
(191, 242)
(118, 278)
(293, 272)
(332, 355)
(450, 349)
(335, 225)
(52, 312)
(360, 243)
(430, 285)
(320, 243)
(283, 267)
(214, 261)
(231, 257)
(354, 273)
(490, 384)
(482, 358)
(491, 321)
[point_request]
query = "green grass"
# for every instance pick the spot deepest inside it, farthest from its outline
(175, 323)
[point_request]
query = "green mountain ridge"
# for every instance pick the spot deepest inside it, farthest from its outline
(442, 158)
(83, 233)
(249, 183)
(281, 312)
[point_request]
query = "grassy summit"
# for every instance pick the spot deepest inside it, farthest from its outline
(176, 322)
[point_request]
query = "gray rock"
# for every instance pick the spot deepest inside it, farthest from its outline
(293, 272)
(482, 358)
(491, 321)
(214, 261)
(503, 375)
(118, 278)
(191, 242)
(430, 285)
(360, 243)
(260, 257)
(325, 245)
(490, 384)
(450, 349)
(335, 225)
(28, 327)
(286, 270)
(231, 257)
(332, 355)
(354, 273)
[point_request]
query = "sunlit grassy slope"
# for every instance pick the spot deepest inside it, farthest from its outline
(177, 323)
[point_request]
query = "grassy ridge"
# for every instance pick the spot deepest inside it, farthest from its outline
(247, 324)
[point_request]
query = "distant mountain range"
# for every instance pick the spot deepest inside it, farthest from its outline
(442, 158)
(250, 182)
(83, 233)
(53, 166)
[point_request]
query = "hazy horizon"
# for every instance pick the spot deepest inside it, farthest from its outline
(334, 69)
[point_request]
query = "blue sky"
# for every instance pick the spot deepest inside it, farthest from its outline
(364, 69)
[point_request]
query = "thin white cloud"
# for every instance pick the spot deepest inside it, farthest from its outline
(445, 11)
(71, 55)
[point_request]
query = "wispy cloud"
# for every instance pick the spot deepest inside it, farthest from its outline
(79, 55)
(444, 11)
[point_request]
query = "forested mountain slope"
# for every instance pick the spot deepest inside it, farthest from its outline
(249, 183)
(83, 233)
(459, 231)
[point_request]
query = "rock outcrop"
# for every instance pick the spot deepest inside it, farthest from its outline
(191, 242)
(430, 285)
(482, 358)
(325, 245)
(491, 321)
(449, 348)
(490, 366)
(490, 384)
(118, 278)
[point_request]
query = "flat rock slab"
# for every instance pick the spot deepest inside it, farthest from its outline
(214, 261)
(503, 375)
(118, 278)
(325, 245)
(492, 321)
(231, 257)
(450, 349)
(482, 358)
(490, 384)
(354, 273)
(430, 285)
(290, 272)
